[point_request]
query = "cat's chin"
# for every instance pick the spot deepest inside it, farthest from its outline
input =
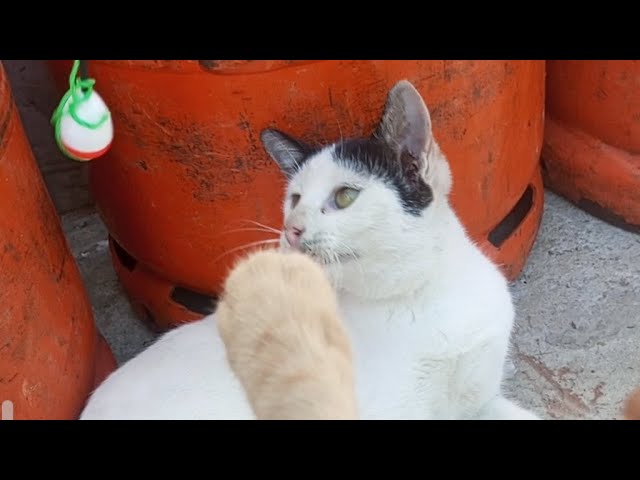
(333, 260)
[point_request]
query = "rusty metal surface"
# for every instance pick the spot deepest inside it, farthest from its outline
(592, 137)
(48, 340)
(187, 168)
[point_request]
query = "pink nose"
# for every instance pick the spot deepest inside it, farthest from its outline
(293, 235)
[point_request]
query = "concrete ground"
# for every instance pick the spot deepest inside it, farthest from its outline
(577, 341)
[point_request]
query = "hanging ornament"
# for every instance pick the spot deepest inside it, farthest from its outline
(82, 121)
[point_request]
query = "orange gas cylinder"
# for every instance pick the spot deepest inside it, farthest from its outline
(51, 355)
(187, 171)
(591, 150)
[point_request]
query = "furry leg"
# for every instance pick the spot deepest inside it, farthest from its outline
(500, 408)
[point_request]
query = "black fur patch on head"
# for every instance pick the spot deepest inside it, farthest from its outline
(376, 158)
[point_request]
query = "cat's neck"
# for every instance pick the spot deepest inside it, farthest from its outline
(436, 245)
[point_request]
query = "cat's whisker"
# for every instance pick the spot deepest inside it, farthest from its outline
(248, 245)
(250, 229)
(339, 128)
(258, 224)
(336, 260)
(354, 256)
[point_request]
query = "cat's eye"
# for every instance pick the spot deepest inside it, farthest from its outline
(295, 198)
(345, 197)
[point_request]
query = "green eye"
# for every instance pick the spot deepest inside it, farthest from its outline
(345, 197)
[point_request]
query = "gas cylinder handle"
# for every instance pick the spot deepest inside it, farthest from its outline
(228, 67)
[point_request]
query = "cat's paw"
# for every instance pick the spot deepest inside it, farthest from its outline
(285, 342)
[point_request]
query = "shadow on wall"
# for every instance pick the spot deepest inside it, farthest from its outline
(36, 97)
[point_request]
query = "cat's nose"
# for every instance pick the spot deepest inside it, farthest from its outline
(293, 235)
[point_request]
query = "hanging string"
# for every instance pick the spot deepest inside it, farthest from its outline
(80, 90)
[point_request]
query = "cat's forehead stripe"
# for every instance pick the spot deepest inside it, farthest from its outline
(366, 157)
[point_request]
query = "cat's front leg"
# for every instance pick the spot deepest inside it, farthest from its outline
(478, 381)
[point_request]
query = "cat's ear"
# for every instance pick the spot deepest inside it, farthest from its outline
(288, 152)
(406, 125)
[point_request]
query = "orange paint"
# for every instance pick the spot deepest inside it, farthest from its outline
(592, 138)
(51, 355)
(86, 156)
(186, 162)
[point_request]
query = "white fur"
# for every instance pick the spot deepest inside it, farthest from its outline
(429, 319)
(429, 316)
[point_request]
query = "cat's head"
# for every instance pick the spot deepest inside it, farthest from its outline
(363, 202)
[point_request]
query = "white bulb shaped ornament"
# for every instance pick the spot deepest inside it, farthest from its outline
(90, 133)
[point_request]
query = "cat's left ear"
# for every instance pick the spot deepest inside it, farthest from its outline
(288, 152)
(406, 125)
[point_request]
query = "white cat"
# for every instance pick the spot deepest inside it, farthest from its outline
(429, 317)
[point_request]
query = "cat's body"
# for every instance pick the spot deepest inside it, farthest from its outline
(412, 361)
(185, 375)
(429, 317)
(278, 329)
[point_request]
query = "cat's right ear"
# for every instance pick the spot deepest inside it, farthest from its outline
(288, 152)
